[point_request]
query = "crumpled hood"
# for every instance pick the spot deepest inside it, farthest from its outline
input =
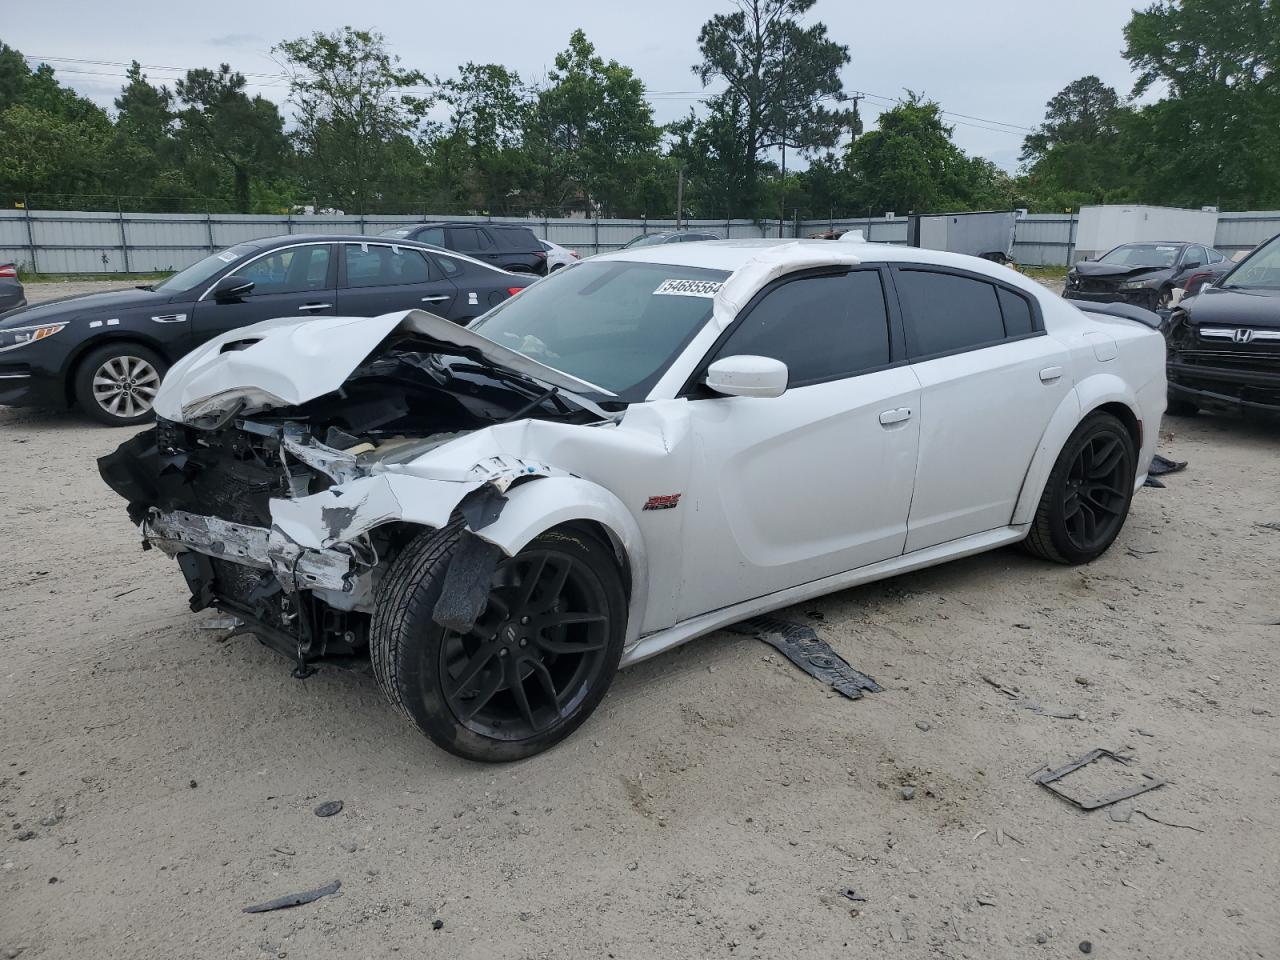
(288, 361)
(1114, 271)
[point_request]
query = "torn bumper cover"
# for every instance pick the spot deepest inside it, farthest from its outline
(294, 567)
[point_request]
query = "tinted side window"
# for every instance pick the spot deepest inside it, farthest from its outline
(822, 328)
(433, 235)
(516, 238)
(464, 238)
(379, 265)
(450, 268)
(1195, 255)
(292, 270)
(945, 312)
(1017, 313)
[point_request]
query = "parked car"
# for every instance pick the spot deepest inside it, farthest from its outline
(558, 256)
(499, 515)
(1224, 342)
(12, 294)
(1144, 274)
(672, 236)
(107, 352)
(508, 246)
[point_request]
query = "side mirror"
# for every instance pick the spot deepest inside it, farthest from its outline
(1192, 265)
(747, 376)
(232, 287)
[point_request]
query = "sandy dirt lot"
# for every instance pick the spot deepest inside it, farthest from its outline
(155, 778)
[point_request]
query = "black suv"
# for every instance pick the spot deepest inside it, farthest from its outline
(505, 245)
(1224, 343)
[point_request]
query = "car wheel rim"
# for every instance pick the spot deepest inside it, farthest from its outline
(534, 654)
(1093, 501)
(125, 387)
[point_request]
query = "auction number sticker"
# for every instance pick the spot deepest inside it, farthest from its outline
(688, 288)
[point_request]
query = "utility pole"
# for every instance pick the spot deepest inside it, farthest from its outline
(680, 199)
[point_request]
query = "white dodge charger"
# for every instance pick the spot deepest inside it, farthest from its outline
(640, 449)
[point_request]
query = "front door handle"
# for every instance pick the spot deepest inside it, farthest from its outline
(890, 417)
(1050, 374)
(436, 299)
(312, 307)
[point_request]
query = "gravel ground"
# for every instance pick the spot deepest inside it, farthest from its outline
(156, 778)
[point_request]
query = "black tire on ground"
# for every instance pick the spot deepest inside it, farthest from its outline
(1178, 406)
(537, 663)
(116, 383)
(1086, 498)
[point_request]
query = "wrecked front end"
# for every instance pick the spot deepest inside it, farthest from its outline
(286, 517)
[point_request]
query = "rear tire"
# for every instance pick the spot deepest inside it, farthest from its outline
(535, 665)
(1086, 498)
(116, 384)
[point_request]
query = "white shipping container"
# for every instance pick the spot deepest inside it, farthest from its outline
(1104, 227)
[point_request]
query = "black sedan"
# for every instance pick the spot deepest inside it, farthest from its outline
(12, 294)
(107, 352)
(1224, 343)
(1144, 274)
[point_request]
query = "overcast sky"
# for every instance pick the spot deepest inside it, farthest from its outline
(992, 59)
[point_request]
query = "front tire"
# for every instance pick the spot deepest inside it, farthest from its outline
(1086, 499)
(536, 663)
(116, 384)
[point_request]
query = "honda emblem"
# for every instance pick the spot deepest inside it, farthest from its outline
(1242, 336)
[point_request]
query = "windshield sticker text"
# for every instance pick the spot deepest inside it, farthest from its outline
(688, 288)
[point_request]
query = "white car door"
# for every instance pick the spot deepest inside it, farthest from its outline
(817, 481)
(990, 381)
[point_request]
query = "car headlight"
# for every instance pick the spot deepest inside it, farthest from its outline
(21, 336)
(1134, 285)
(211, 413)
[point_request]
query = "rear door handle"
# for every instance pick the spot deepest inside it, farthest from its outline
(1050, 374)
(312, 307)
(440, 298)
(897, 415)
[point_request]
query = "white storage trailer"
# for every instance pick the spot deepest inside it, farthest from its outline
(1104, 227)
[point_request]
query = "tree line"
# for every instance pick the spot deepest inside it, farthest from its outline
(367, 134)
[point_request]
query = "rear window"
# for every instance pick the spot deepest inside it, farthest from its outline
(1017, 313)
(946, 313)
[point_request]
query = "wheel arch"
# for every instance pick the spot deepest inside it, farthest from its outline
(1106, 392)
(78, 356)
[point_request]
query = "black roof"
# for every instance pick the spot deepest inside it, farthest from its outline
(268, 243)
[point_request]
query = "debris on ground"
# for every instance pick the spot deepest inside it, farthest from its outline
(1051, 778)
(1057, 713)
(295, 899)
(221, 623)
(1086, 946)
(1162, 466)
(799, 644)
(329, 808)
(1166, 823)
(851, 894)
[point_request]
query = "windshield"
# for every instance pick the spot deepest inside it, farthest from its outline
(650, 240)
(1259, 271)
(618, 325)
(1142, 255)
(201, 272)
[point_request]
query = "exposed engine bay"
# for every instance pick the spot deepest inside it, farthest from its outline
(202, 490)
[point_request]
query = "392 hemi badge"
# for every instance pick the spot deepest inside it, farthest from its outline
(668, 502)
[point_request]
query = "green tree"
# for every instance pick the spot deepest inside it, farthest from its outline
(591, 134)
(782, 78)
(910, 164)
(231, 132)
(478, 158)
(357, 118)
(1077, 156)
(1213, 137)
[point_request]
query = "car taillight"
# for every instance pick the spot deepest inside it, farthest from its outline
(512, 291)
(540, 254)
(8, 271)
(575, 254)
(1195, 282)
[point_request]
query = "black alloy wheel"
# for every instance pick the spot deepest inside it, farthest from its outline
(1086, 499)
(534, 665)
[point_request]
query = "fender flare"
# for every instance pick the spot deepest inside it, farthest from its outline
(536, 506)
(1087, 395)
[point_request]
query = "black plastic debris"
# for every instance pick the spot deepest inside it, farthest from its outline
(799, 644)
(851, 894)
(329, 808)
(1050, 780)
(295, 899)
(1161, 466)
(466, 583)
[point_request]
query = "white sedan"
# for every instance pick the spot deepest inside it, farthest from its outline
(640, 449)
(558, 257)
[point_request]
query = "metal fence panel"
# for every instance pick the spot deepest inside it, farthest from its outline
(1239, 232)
